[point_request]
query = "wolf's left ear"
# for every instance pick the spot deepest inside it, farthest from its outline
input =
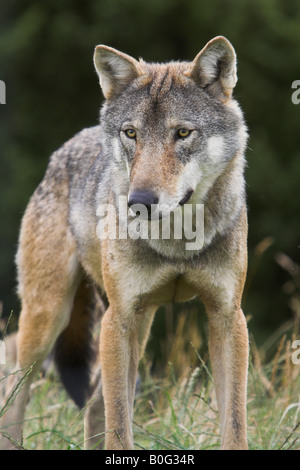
(214, 68)
(115, 69)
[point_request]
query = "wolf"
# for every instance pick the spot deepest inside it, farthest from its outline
(170, 136)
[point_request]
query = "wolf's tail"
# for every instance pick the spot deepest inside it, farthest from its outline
(75, 348)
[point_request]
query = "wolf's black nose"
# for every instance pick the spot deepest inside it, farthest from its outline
(141, 196)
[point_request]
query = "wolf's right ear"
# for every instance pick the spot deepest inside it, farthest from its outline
(214, 68)
(115, 69)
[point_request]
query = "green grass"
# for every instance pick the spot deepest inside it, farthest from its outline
(179, 411)
(184, 415)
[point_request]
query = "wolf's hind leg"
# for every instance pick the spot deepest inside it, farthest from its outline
(49, 275)
(94, 421)
(39, 327)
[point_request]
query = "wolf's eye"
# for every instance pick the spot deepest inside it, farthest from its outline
(183, 133)
(130, 133)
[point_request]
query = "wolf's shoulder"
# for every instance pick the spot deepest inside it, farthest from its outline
(72, 162)
(84, 143)
(77, 154)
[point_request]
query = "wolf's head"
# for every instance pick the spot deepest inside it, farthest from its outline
(174, 126)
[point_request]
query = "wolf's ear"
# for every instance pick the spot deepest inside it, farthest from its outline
(115, 69)
(214, 68)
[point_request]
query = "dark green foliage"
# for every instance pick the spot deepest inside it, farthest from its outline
(46, 53)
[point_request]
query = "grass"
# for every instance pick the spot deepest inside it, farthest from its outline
(184, 415)
(175, 407)
(179, 411)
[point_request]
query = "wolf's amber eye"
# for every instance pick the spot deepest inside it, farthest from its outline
(130, 133)
(182, 133)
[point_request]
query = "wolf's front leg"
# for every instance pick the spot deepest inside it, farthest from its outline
(119, 354)
(229, 357)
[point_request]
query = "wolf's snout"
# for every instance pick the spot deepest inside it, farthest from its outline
(144, 197)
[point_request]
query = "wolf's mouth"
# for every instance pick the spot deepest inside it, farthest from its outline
(187, 197)
(150, 205)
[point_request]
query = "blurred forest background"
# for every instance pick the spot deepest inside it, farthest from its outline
(52, 92)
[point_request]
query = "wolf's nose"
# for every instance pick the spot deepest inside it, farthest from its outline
(141, 196)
